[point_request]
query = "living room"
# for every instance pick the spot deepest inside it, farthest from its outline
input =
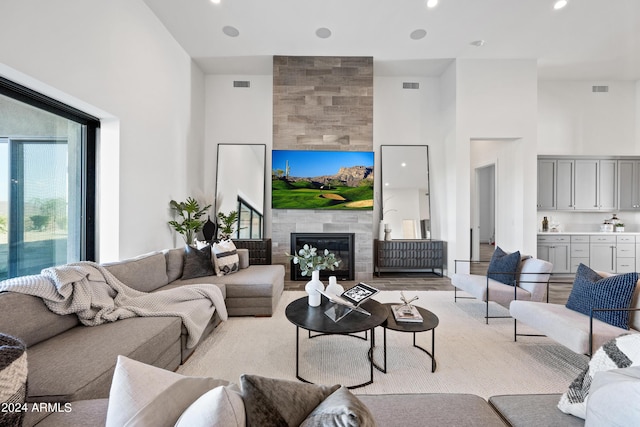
(162, 117)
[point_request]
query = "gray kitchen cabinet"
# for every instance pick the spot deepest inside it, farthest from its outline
(602, 253)
(625, 254)
(546, 184)
(629, 184)
(595, 184)
(564, 186)
(556, 250)
(579, 251)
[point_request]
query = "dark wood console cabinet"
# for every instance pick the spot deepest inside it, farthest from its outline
(409, 255)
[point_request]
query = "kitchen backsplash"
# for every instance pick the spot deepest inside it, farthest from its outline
(588, 221)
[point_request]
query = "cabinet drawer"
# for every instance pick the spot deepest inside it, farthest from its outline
(626, 239)
(626, 265)
(602, 239)
(626, 250)
(580, 239)
(554, 239)
(579, 250)
(575, 262)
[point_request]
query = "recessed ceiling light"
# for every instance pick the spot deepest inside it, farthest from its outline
(432, 3)
(403, 164)
(478, 43)
(215, 1)
(230, 31)
(323, 33)
(418, 34)
(560, 4)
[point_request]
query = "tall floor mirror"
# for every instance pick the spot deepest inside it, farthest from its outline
(240, 186)
(406, 207)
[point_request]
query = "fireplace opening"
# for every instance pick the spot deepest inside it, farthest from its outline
(341, 244)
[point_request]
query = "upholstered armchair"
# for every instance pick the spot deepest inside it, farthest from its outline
(530, 284)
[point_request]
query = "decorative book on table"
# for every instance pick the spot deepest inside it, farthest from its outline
(352, 298)
(406, 313)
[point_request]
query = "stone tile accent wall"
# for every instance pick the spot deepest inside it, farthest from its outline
(323, 103)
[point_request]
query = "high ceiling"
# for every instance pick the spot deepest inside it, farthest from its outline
(587, 40)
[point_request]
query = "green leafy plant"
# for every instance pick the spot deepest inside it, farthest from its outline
(190, 223)
(227, 224)
(309, 260)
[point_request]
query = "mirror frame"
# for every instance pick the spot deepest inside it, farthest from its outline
(420, 229)
(240, 170)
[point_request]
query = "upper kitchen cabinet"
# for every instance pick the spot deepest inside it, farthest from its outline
(629, 184)
(546, 184)
(595, 184)
(581, 184)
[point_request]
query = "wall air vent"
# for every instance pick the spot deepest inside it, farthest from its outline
(599, 89)
(410, 85)
(241, 83)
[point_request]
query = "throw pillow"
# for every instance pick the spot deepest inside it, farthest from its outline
(503, 266)
(13, 380)
(620, 352)
(614, 397)
(220, 407)
(145, 395)
(590, 290)
(273, 402)
(341, 409)
(197, 262)
(227, 260)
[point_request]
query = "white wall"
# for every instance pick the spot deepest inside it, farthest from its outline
(497, 99)
(115, 59)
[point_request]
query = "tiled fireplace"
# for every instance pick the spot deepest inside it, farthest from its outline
(341, 244)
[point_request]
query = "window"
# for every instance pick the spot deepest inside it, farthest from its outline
(47, 182)
(249, 221)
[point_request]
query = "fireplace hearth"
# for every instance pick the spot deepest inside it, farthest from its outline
(341, 244)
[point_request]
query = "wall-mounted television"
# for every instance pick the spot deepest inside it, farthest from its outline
(322, 179)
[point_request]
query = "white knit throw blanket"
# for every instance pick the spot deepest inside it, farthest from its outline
(96, 296)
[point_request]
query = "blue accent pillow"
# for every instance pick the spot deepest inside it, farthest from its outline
(590, 290)
(503, 267)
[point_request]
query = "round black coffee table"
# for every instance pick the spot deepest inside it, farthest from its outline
(429, 323)
(301, 314)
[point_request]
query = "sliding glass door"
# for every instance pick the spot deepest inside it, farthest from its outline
(45, 196)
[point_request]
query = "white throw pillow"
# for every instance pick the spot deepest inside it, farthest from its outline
(226, 257)
(220, 407)
(614, 397)
(144, 395)
(621, 352)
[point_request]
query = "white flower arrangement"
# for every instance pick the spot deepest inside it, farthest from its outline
(309, 260)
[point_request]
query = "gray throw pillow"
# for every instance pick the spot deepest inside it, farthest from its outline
(341, 409)
(13, 379)
(197, 262)
(274, 402)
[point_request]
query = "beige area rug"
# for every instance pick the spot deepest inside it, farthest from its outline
(472, 357)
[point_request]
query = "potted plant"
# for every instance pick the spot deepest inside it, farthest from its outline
(226, 224)
(190, 222)
(619, 227)
(310, 260)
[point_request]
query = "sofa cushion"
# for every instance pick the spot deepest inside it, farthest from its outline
(533, 410)
(39, 325)
(476, 285)
(197, 262)
(226, 257)
(590, 290)
(614, 397)
(153, 340)
(220, 407)
(503, 266)
(144, 273)
(340, 409)
(80, 413)
(620, 352)
(431, 410)
(149, 396)
(275, 402)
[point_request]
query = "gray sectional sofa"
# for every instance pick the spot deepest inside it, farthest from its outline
(70, 362)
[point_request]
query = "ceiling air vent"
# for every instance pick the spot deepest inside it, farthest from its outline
(410, 85)
(599, 89)
(241, 83)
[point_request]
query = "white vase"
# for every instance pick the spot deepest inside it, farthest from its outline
(312, 287)
(381, 228)
(333, 287)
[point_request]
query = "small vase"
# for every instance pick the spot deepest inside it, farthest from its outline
(312, 287)
(381, 228)
(333, 287)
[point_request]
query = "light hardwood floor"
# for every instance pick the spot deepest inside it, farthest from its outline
(558, 292)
